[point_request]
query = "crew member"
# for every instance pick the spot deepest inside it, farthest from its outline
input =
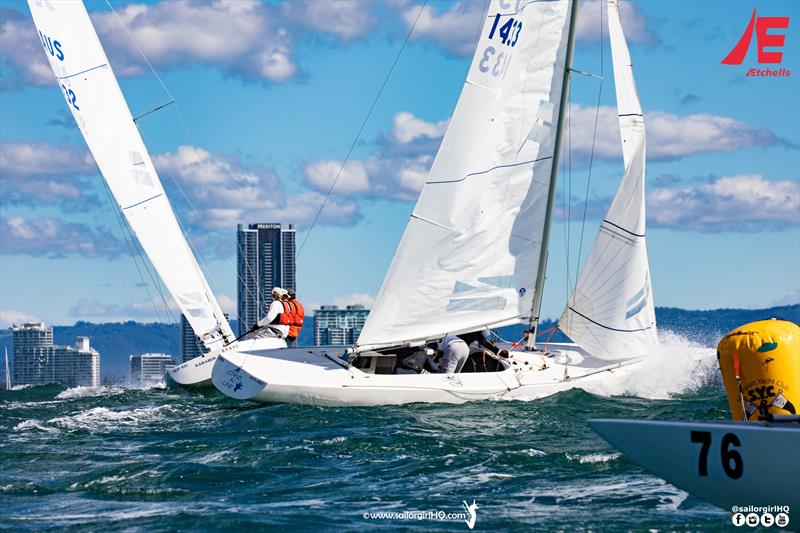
(480, 338)
(293, 316)
(454, 354)
(276, 308)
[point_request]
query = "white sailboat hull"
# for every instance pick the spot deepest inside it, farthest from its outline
(317, 376)
(725, 463)
(197, 372)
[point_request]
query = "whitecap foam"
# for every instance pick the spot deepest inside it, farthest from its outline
(81, 392)
(102, 418)
(533, 452)
(594, 457)
(334, 440)
(679, 366)
(28, 425)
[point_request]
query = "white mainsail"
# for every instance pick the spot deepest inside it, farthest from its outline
(87, 81)
(469, 255)
(610, 313)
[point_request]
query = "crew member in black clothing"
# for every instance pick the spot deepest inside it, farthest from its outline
(480, 338)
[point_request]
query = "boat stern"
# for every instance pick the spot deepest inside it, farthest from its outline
(231, 379)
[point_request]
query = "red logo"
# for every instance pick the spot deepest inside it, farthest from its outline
(763, 41)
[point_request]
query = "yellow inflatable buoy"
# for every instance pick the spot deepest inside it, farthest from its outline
(760, 365)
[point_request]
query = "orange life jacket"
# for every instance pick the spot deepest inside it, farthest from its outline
(292, 316)
(285, 318)
(298, 314)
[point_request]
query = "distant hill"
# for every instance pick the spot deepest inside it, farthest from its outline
(116, 341)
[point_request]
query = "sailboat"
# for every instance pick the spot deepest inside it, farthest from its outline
(87, 82)
(474, 253)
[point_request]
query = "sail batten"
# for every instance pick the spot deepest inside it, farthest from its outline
(95, 99)
(480, 213)
(611, 313)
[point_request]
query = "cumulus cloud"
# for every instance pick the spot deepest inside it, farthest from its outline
(747, 202)
(668, 136)
(9, 317)
(51, 237)
(30, 159)
(346, 19)
(351, 179)
(248, 39)
(39, 173)
(397, 170)
(634, 23)
(455, 30)
(408, 129)
(225, 192)
(243, 37)
(22, 61)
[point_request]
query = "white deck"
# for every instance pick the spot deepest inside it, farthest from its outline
(319, 376)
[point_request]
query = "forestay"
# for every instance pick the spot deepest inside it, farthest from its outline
(468, 257)
(93, 95)
(610, 313)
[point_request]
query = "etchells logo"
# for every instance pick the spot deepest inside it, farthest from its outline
(764, 40)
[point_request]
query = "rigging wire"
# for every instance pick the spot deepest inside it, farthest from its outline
(591, 155)
(361, 128)
(131, 246)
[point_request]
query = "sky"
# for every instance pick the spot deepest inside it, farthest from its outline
(269, 97)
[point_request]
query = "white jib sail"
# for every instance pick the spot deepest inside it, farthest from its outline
(469, 254)
(610, 313)
(86, 80)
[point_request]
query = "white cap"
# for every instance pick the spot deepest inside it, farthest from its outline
(279, 291)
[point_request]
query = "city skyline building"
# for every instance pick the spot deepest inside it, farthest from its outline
(38, 361)
(191, 346)
(334, 326)
(149, 368)
(265, 259)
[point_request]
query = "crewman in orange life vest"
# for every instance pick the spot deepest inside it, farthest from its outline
(292, 316)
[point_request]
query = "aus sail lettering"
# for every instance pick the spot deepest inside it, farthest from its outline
(51, 46)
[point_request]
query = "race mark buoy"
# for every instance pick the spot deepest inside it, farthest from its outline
(760, 365)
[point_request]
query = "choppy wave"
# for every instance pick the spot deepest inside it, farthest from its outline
(82, 392)
(103, 418)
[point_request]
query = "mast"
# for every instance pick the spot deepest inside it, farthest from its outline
(551, 195)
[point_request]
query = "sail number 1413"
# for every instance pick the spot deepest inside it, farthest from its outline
(508, 33)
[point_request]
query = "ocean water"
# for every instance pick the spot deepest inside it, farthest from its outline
(119, 459)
